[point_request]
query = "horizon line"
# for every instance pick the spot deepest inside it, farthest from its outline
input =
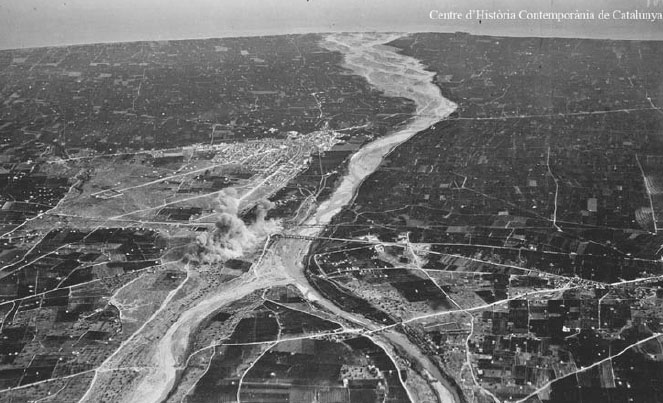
(231, 35)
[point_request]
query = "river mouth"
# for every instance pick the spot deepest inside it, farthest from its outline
(396, 75)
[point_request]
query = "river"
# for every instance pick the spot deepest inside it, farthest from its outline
(399, 76)
(394, 74)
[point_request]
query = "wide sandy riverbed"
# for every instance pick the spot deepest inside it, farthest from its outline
(395, 75)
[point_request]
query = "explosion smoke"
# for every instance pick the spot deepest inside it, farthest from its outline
(231, 237)
(228, 202)
(262, 227)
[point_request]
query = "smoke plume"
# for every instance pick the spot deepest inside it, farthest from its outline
(230, 237)
(228, 202)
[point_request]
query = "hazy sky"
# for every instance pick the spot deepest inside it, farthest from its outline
(29, 23)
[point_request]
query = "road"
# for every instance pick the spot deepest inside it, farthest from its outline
(396, 75)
